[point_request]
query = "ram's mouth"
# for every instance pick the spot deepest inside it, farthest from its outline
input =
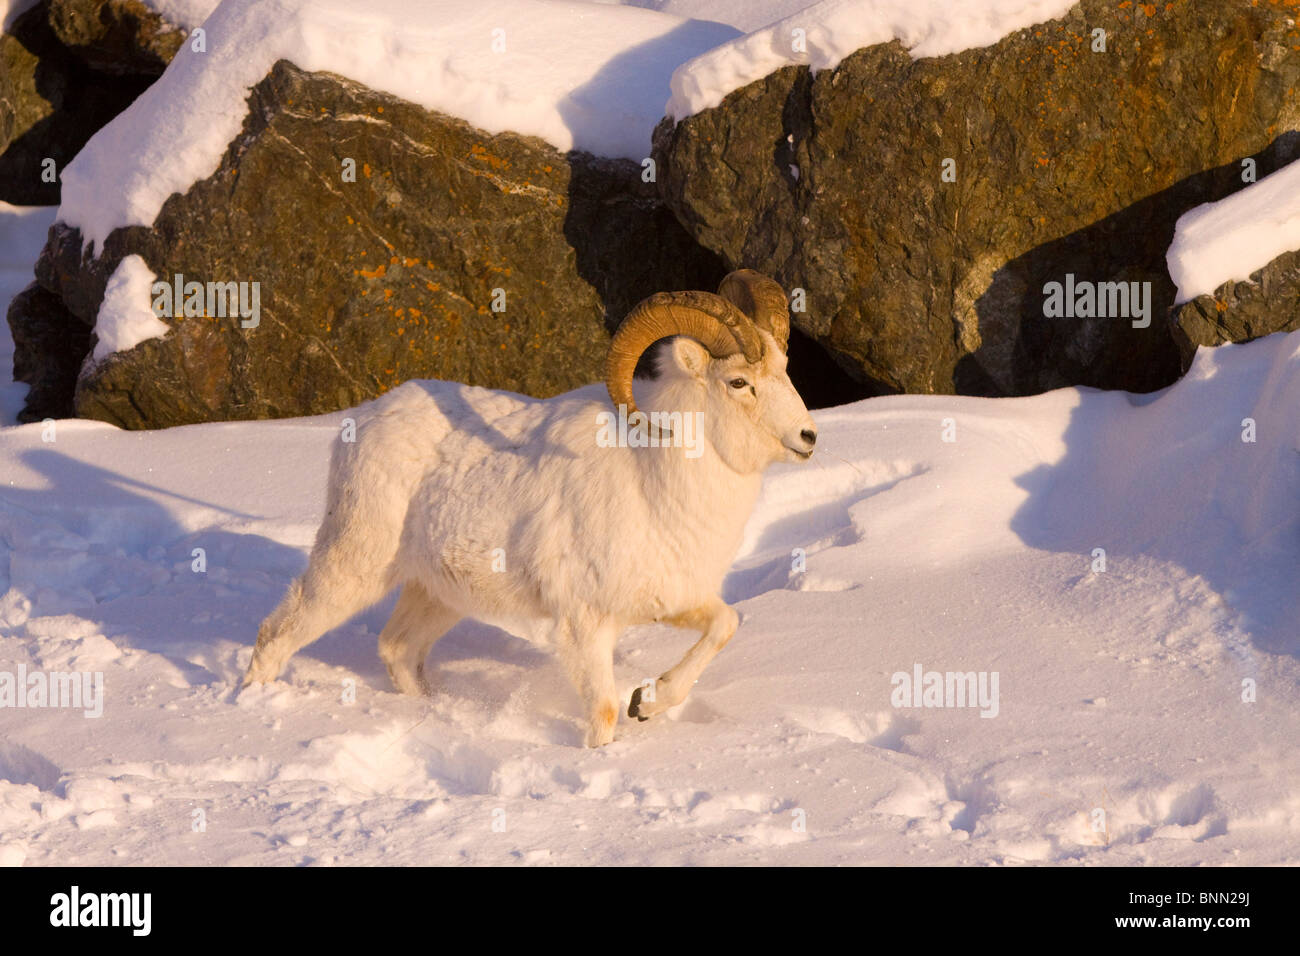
(803, 455)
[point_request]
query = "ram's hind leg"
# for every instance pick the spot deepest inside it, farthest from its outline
(718, 622)
(417, 622)
(329, 592)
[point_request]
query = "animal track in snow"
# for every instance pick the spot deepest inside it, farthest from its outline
(885, 729)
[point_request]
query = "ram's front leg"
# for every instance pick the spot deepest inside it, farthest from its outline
(587, 651)
(718, 622)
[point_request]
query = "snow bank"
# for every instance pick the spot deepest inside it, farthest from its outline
(1224, 241)
(152, 557)
(579, 75)
(126, 316)
(833, 29)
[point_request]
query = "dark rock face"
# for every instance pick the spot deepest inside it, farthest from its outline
(491, 260)
(116, 36)
(1068, 163)
(1240, 311)
(49, 345)
(51, 102)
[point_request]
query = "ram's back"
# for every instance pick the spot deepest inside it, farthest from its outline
(399, 438)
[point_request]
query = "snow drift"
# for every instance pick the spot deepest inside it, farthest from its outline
(931, 533)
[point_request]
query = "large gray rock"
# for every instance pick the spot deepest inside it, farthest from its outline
(364, 284)
(1069, 163)
(1268, 302)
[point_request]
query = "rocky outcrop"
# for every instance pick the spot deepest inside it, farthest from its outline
(53, 97)
(386, 243)
(116, 36)
(1268, 302)
(926, 206)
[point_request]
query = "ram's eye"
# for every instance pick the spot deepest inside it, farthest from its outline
(738, 383)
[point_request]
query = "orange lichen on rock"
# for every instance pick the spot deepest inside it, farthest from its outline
(478, 151)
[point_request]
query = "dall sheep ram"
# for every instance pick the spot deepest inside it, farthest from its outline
(517, 511)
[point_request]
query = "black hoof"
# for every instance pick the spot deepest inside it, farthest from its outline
(634, 708)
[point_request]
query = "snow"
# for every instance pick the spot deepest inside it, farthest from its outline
(126, 316)
(745, 15)
(578, 75)
(1118, 689)
(831, 30)
(1161, 686)
(1225, 241)
(186, 13)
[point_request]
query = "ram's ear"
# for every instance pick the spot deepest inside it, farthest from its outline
(690, 356)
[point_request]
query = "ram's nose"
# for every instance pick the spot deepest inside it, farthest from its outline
(802, 445)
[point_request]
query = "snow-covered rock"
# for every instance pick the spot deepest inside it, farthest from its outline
(578, 75)
(930, 205)
(371, 241)
(821, 35)
(1236, 263)
(1224, 241)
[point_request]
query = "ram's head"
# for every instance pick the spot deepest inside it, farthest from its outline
(727, 360)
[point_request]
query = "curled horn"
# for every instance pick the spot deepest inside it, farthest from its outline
(713, 321)
(762, 299)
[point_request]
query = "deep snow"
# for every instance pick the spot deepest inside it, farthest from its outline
(1120, 690)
